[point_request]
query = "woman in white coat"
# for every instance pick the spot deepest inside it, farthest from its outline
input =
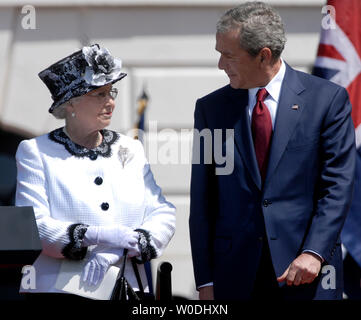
(90, 187)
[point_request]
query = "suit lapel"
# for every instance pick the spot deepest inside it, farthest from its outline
(243, 134)
(289, 110)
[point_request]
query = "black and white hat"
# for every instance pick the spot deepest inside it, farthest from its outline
(81, 72)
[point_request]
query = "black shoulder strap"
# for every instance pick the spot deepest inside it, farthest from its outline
(136, 272)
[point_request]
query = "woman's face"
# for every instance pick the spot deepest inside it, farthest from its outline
(94, 110)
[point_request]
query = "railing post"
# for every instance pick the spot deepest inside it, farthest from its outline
(164, 281)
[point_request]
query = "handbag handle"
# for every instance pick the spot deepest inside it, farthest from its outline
(119, 290)
(122, 285)
(122, 270)
(136, 272)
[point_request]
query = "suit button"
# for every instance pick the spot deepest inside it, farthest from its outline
(260, 238)
(98, 181)
(266, 202)
(105, 206)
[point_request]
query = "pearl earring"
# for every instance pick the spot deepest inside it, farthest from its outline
(73, 114)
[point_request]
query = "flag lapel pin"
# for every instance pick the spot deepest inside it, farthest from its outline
(295, 107)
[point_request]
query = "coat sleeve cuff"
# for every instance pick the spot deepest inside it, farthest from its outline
(146, 246)
(74, 250)
(316, 253)
(209, 284)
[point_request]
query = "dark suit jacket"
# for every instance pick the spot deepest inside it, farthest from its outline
(305, 197)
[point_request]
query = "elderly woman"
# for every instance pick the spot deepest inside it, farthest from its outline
(90, 187)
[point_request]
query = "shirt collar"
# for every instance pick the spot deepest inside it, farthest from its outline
(274, 86)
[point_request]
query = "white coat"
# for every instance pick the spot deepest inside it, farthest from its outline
(67, 185)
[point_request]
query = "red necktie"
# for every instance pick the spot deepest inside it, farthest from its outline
(261, 131)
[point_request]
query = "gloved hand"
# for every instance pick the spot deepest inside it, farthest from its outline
(95, 269)
(133, 251)
(117, 236)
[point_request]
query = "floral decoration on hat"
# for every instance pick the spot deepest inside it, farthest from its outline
(102, 67)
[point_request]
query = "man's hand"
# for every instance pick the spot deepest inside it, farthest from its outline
(304, 269)
(206, 293)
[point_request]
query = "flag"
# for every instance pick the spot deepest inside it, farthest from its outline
(339, 60)
(142, 105)
(339, 53)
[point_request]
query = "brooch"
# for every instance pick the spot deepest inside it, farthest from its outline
(124, 155)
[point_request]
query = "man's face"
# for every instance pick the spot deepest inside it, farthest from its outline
(242, 69)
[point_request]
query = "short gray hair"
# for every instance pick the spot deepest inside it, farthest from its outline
(60, 111)
(260, 26)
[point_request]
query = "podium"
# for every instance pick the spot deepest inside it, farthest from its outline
(19, 237)
(19, 246)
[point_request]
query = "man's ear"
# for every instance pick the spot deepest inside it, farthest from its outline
(265, 55)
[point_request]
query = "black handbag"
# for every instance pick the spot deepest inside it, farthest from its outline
(122, 289)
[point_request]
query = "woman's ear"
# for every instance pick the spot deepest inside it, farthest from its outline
(69, 108)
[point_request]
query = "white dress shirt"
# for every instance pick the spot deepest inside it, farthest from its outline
(271, 101)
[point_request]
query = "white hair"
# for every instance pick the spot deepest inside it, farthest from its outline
(60, 111)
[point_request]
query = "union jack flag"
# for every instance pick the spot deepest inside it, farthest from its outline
(339, 53)
(339, 60)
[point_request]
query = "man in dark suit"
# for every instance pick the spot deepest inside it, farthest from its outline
(270, 228)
